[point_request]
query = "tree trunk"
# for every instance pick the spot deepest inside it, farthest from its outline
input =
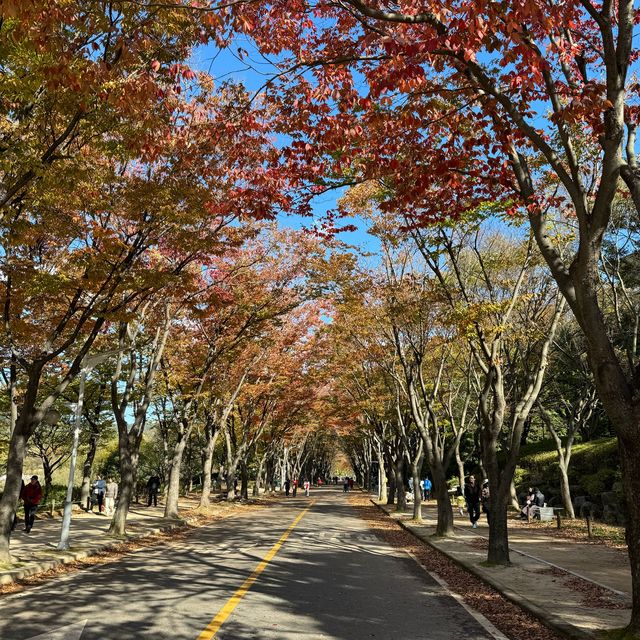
(391, 497)
(256, 486)
(401, 502)
(460, 466)
(11, 493)
(382, 478)
(498, 532)
(171, 509)
(416, 466)
(48, 479)
(128, 470)
(444, 525)
(205, 497)
(231, 482)
(513, 496)
(244, 479)
(630, 464)
(565, 490)
(85, 489)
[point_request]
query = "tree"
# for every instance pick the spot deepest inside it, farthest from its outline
(466, 103)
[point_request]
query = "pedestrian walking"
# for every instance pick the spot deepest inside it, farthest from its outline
(287, 487)
(307, 486)
(472, 496)
(345, 486)
(99, 488)
(153, 486)
(110, 495)
(427, 488)
(295, 487)
(350, 480)
(31, 496)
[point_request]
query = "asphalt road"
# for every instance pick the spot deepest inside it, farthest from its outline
(331, 578)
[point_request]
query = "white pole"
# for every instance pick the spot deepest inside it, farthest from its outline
(63, 545)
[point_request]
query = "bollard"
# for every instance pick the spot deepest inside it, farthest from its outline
(589, 531)
(558, 520)
(53, 507)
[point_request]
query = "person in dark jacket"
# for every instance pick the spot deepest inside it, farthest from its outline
(538, 501)
(31, 496)
(153, 486)
(472, 493)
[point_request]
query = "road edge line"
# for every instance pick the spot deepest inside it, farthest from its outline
(484, 622)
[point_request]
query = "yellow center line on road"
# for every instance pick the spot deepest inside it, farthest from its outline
(234, 600)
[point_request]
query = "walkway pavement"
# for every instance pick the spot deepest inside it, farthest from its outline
(36, 551)
(580, 589)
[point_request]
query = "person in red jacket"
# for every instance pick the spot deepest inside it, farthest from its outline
(31, 496)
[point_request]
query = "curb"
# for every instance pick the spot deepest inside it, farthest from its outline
(550, 620)
(34, 568)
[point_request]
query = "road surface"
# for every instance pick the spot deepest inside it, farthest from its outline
(308, 568)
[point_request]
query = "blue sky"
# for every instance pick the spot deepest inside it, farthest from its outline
(253, 71)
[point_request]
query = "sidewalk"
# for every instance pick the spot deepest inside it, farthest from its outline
(36, 552)
(578, 589)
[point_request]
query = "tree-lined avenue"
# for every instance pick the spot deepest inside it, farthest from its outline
(331, 579)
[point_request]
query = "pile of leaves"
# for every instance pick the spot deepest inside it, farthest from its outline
(610, 536)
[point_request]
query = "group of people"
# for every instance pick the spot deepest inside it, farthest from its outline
(425, 490)
(288, 485)
(105, 493)
(533, 502)
(347, 484)
(476, 498)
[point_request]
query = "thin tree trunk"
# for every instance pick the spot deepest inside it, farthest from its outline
(401, 502)
(460, 466)
(87, 466)
(391, 497)
(171, 508)
(205, 498)
(382, 477)
(231, 482)
(256, 486)
(128, 469)
(11, 493)
(513, 496)
(244, 479)
(48, 479)
(565, 490)
(416, 466)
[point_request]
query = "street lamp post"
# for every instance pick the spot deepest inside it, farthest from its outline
(88, 364)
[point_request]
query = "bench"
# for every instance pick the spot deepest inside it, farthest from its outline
(545, 514)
